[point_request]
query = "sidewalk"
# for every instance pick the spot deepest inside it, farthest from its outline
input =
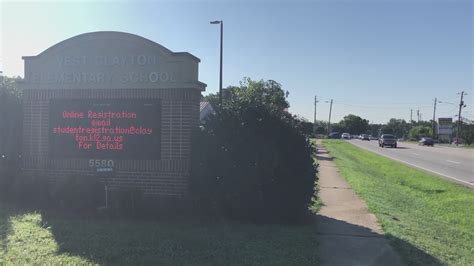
(348, 233)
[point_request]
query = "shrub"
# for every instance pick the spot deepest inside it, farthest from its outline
(250, 162)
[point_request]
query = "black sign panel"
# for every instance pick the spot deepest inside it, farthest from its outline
(109, 128)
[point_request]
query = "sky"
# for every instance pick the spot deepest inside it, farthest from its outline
(375, 59)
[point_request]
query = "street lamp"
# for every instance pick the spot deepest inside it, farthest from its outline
(329, 122)
(220, 71)
(446, 102)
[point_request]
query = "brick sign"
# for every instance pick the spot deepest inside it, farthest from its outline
(113, 101)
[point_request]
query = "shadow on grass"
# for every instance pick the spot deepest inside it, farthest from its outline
(412, 255)
(342, 243)
(227, 242)
(184, 242)
(4, 227)
(198, 242)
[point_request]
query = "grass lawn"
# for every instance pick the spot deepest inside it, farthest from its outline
(430, 213)
(28, 237)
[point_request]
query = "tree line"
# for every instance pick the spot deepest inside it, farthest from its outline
(356, 125)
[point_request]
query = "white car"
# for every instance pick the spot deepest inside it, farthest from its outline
(346, 136)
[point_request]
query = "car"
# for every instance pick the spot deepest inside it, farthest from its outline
(346, 136)
(425, 141)
(387, 140)
(373, 137)
(364, 137)
(334, 135)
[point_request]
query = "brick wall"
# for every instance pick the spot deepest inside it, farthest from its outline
(167, 176)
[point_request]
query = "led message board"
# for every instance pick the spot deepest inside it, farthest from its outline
(109, 128)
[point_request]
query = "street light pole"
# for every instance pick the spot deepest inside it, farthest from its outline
(329, 122)
(314, 121)
(434, 119)
(221, 55)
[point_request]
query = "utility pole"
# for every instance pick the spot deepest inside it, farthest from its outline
(461, 105)
(329, 123)
(411, 116)
(418, 115)
(434, 119)
(314, 122)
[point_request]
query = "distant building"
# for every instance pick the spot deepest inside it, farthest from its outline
(206, 110)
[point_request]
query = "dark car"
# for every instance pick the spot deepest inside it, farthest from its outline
(335, 135)
(388, 140)
(425, 141)
(364, 137)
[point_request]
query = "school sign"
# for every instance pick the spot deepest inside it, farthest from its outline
(115, 100)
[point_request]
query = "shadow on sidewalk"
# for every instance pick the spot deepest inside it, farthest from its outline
(323, 155)
(321, 158)
(342, 243)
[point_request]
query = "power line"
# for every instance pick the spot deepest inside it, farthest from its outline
(386, 103)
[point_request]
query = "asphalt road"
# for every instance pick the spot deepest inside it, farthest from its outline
(455, 164)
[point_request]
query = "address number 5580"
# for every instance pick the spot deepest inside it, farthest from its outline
(97, 163)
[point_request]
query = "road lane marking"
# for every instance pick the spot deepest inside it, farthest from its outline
(416, 154)
(469, 183)
(449, 161)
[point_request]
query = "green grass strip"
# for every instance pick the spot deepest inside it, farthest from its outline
(429, 220)
(32, 238)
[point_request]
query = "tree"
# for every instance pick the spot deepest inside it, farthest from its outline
(337, 128)
(354, 124)
(397, 127)
(213, 98)
(375, 129)
(10, 117)
(467, 133)
(303, 125)
(418, 132)
(321, 129)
